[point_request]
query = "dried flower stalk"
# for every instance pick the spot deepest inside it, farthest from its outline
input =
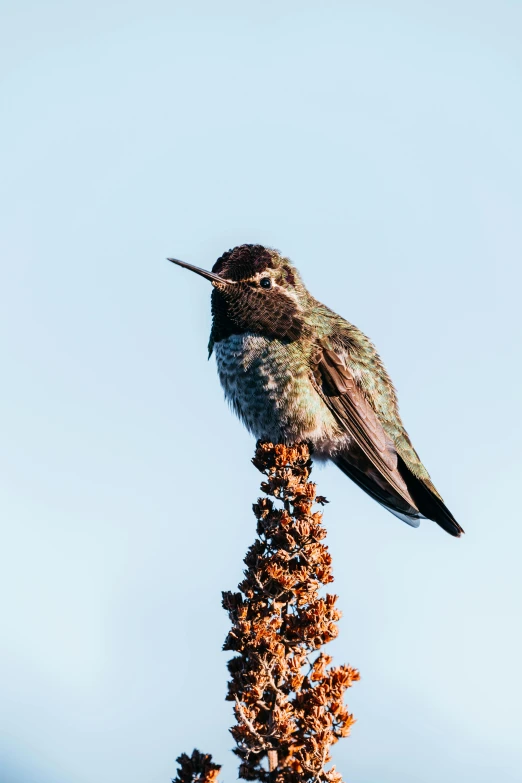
(288, 702)
(198, 768)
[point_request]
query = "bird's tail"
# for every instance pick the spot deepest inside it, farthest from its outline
(429, 502)
(425, 505)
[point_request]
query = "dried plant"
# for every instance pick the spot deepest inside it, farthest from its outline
(288, 700)
(198, 768)
(288, 703)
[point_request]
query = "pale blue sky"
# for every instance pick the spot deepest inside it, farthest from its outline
(378, 144)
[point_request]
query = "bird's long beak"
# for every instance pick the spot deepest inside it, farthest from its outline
(203, 272)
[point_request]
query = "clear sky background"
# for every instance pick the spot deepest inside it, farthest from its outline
(378, 145)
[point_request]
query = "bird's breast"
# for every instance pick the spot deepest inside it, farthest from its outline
(269, 385)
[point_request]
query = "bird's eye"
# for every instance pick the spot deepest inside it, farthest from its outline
(265, 282)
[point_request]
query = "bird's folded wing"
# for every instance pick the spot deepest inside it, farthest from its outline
(354, 413)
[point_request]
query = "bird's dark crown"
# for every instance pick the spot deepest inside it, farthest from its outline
(245, 262)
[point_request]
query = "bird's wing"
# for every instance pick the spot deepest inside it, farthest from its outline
(354, 413)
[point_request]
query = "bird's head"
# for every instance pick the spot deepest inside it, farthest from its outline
(256, 290)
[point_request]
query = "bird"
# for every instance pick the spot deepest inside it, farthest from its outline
(294, 371)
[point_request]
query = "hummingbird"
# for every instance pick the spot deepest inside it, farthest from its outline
(295, 371)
